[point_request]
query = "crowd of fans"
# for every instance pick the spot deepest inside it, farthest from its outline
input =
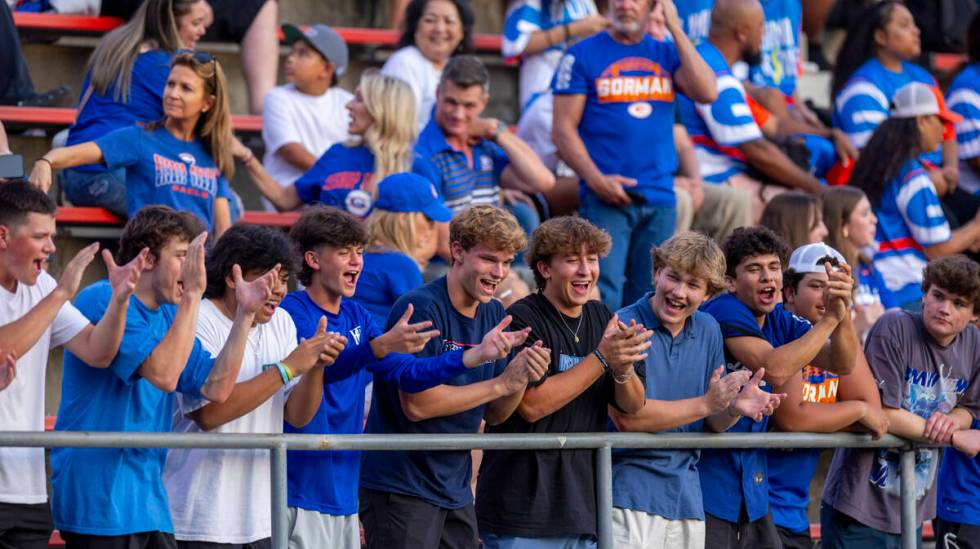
(739, 262)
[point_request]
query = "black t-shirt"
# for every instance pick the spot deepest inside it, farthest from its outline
(548, 493)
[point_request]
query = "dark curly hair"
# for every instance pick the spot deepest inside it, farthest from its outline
(19, 198)
(859, 45)
(894, 142)
(957, 274)
(413, 13)
(325, 226)
(254, 248)
(152, 227)
(749, 242)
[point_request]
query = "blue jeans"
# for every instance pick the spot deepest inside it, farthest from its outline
(840, 531)
(635, 230)
(101, 189)
(493, 541)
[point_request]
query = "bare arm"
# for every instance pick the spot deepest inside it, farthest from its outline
(544, 39)
(558, 390)
(771, 161)
(796, 414)
(908, 425)
(222, 216)
(568, 111)
(61, 158)
(447, 400)
(4, 144)
(525, 172)
(297, 155)
(786, 360)
(283, 198)
(694, 76)
(247, 396)
(961, 239)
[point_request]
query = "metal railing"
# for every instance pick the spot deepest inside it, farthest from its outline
(602, 443)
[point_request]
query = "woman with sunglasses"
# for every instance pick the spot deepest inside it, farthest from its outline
(184, 160)
(124, 85)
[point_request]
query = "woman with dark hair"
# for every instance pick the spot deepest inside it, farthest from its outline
(796, 216)
(874, 62)
(912, 227)
(435, 30)
(124, 85)
(184, 160)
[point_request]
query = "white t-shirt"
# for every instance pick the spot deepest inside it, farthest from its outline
(22, 478)
(420, 74)
(224, 496)
(289, 116)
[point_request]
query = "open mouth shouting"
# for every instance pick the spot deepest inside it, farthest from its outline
(767, 296)
(674, 307)
(270, 307)
(350, 279)
(488, 286)
(38, 265)
(581, 288)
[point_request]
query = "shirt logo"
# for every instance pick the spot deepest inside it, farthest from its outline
(639, 110)
(185, 178)
(188, 158)
(356, 335)
(486, 164)
(358, 202)
(614, 85)
(346, 180)
(566, 362)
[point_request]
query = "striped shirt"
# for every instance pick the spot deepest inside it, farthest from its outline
(964, 98)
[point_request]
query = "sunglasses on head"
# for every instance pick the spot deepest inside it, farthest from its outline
(201, 57)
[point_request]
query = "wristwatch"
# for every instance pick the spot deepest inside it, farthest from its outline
(499, 130)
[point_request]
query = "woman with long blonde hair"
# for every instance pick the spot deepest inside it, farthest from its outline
(382, 138)
(183, 160)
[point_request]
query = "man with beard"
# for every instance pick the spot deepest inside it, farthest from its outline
(613, 125)
(729, 141)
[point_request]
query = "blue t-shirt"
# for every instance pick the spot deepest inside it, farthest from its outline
(688, 361)
(717, 129)
(781, 61)
(730, 478)
(910, 217)
(959, 484)
(161, 169)
(343, 178)
(386, 276)
(102, 114)
(326, 482)
(695, 16)
(629, 109)
(461, 183)
(862, 104)
(439, 478)
(116, 491)
(963, 97)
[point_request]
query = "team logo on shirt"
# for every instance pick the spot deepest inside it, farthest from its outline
(639, 110)
(188, 158)
(619, 83)
(355, 334)
(358, 202)
(346, 180)
(184, 177)
(486, 164)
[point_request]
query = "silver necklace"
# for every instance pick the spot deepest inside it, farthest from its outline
(579, 325)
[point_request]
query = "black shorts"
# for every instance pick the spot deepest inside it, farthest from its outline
(955, 535)
(25, 525)
(394, 521)
(257, 544)
(141, 540)
(759, 534)
(232, 18)
(795, 540)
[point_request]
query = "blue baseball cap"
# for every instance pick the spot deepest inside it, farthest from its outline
(408, 192)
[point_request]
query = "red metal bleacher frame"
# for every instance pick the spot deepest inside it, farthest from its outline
(98, 216)
(55, 116)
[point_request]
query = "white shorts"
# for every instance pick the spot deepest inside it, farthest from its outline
(639, 530)
(313, 530)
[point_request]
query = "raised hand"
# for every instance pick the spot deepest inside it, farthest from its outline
(529, 365)
(753, 402)
(722, 391)
(309, 352)
(332, 347)
(940, 428)
(252, 296)
(124, 279)
(405, 337)
(71, 275)
(622, 346)
(839, 291)
(193, 274)
(538, 361)
(496, 344)
(8, 369)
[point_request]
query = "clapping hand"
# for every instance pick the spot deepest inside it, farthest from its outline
(722, 391)
(123, 279)
(8, 369)
(71, 275)
(252, 296)
(753, 402)
(496, 344)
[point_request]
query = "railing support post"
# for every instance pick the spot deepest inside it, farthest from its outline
(907, 486)
(280, 520)
(604, 499)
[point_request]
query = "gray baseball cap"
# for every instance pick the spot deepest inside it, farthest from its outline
(324, 40)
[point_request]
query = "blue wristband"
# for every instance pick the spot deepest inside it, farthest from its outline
(284, 372)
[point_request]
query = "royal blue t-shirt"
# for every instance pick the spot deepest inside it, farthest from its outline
(730, 478)
(963, 98)
(116, 491)
(959, 484)
(344, 178)
(629, 109)
(161, 169)
(438, 478)
(665, 482)
(781, 61)
(326, 482)
(385, 276)
(102, 114)
(695, 16)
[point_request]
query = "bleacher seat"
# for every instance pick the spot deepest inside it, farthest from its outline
(99, 216)
(62, 117)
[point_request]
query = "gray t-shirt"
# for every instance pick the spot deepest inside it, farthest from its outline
(916, 374)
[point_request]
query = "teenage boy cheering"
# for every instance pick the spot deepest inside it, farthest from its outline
(110, 497)
(35, 315)
(760, 334)
(591, 368)
(684, 391)
(323, 485)
(925, 365)
(223, 496)
(423, 499)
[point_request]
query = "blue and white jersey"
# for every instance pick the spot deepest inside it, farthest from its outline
(695, 16)
(781, 63)
(526, 17)
(862, 104)
(718, 128)
(963, 97)
(910, 217)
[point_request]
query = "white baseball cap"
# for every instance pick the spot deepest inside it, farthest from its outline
(919, 99)
(811, 257)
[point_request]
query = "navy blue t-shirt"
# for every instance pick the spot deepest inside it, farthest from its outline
(386, 276)
(730, 478)
(439, 478)
(326, 482)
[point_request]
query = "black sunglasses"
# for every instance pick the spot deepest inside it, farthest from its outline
(201, 57)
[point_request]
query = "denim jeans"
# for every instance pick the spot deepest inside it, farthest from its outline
(625, 274)
(103, 189)
(493, 541)
(839, 531)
